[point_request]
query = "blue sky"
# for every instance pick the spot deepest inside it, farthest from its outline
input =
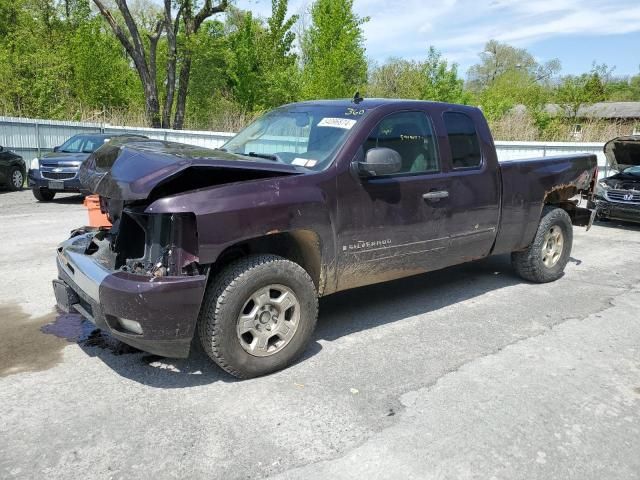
(575, 31)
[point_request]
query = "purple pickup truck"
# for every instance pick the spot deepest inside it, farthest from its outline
(236, 245)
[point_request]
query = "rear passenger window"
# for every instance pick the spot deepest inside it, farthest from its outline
(463, 139)
(410, 134)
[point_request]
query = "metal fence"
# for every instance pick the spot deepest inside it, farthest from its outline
(518, 150)
(31, 138)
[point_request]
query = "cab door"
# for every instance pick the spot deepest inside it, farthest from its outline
(474, 186)
(394, 225)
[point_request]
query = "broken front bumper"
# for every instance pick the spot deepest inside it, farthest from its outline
(628, 212)
(157, 315)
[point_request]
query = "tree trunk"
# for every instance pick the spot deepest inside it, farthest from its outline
(152, 105)
(172, 58)
(132, 43)
(145, 62)
(183, 86)
(191, 26)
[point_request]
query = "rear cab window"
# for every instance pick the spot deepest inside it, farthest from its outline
(463, 141)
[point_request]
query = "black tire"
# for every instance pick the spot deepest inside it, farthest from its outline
(43, 194)
(227, 295)
(529, 263)
(14, 182)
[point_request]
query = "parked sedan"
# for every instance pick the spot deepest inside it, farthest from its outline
(618, 196)
(12, 169)
(58, 171)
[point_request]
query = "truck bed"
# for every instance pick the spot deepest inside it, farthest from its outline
(528, 184)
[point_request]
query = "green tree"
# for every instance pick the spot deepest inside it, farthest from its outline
(209, 75)
(441, 80)
(499, 58)
(431, 79)
(575, 92)
(333, 51)
(396, 78)
(624, 89)
(141, 44)
(279, 63)
(263, 70)
(34, 63)
(101, 75)
(244, 68)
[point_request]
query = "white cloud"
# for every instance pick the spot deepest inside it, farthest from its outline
(461, 27)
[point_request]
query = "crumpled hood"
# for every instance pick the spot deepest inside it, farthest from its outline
(130, 170)
(623, 152)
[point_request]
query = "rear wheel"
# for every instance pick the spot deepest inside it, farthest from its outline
(258, 315)
(16, 179)
(547, 256)
(43, 194)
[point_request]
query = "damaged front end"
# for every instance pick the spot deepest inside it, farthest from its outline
(152, 245)
(139, 280)
(618, 196)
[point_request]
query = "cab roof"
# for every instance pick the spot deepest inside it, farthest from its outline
(371, 103)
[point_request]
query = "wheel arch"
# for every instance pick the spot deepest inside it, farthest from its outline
(561, 198)
(301, 246)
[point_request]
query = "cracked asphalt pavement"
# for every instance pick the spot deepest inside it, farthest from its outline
(464, 373)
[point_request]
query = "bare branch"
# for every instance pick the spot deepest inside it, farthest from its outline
(207, 10)
(153, 46)
(132, 27)
(119, 33)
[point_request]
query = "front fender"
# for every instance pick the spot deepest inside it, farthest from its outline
(230, 214)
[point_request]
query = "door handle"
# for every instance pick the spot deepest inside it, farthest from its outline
(436, 195)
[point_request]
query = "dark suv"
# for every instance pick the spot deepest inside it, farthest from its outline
(12, 169)
(58, 171)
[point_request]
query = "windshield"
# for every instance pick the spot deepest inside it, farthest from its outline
(82, 144)
(635, 170)
(303, 135)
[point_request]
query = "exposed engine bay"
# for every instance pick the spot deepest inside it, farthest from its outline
(155, 245)
(623, 156)
(624, 183)
(618, 196)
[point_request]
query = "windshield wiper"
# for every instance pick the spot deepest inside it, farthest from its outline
(268, 156)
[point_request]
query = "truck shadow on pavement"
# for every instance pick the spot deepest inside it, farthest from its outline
(341, 314)
(360, 309)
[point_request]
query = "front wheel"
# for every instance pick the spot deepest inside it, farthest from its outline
(16, 179)
(546, 257)
(258, 315)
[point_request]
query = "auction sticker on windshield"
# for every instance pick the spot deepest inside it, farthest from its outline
(346, 123)
(304, 162)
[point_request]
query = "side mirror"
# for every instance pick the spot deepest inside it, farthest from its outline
(1, 148)
(56, 149)
(380, 161)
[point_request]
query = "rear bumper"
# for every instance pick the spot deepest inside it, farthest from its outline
(165, 309)
(627, 212)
